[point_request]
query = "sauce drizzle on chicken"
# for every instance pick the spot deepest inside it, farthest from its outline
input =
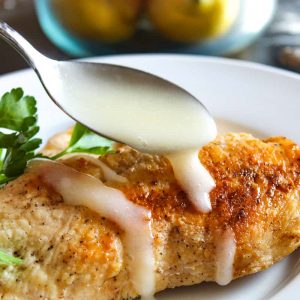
(81, 189)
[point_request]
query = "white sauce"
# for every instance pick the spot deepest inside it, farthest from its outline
(80, 189)
(108, 173)
(138, 110)
(225, 252)
(193, 178)
(143, 112)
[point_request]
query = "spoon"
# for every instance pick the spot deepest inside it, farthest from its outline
(130, 106)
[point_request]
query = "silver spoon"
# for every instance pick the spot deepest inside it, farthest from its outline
(124, 104)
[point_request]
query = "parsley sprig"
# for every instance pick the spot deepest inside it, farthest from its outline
(18, 114)
(18, 144)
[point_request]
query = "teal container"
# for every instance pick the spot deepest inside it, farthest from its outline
(253, 18)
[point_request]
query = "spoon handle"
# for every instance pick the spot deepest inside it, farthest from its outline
(19, 43)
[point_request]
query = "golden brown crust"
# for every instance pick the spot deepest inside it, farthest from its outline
(257, 187)
(247, 171)
(256, 194)
(63, 247)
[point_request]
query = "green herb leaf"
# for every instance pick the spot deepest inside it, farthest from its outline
(7, 140)
(84, 140)
(9, 260)
(18, 114)
(30, 145)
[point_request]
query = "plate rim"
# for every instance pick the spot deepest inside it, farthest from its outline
(290, 287)
(167, 56)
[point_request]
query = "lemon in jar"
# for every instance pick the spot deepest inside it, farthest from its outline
(192, 20)
(104, 20)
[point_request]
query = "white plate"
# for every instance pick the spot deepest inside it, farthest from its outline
(242, 97)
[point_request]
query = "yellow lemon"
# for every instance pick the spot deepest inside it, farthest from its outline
(105, 20)
(192, 20)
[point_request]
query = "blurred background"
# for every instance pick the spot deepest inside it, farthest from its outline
(265, 31)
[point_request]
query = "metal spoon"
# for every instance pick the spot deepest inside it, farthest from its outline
(126, 105)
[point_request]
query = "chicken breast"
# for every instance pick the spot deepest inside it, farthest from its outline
(73, 253)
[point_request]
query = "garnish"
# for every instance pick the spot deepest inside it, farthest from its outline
(18, 116)
(84, 140)
(9, 260)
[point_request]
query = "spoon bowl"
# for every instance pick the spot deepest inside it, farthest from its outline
(127, 105)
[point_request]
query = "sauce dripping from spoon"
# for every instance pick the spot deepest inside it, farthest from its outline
(145, 113)
(194, 179)
(151, 120)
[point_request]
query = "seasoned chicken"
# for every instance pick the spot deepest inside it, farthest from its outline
(73, 253)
